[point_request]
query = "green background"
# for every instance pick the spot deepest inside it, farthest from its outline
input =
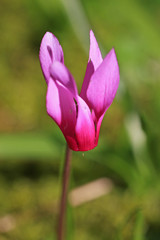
(31, 145)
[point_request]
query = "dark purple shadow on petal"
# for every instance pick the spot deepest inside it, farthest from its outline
(50, 52)
(89, 71)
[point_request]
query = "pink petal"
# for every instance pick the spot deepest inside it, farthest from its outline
(53, 102)
(103, 85)
(61, 107)
(95, 59)
(50, 51)
(60, 72)
(85, 129)
(94, 53)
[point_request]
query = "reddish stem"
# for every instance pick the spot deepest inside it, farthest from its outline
(63, 202)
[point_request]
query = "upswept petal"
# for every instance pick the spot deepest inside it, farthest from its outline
(60, 73)
(85, 129)
(95, 59)
(103, 85)
(50, 51)
(61, 107)
(94, 52)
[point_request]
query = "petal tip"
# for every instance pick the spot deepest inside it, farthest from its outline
(91, 33)
(113, 57)
(112, 53)
(94, 52)
(50, 51)
(92, 37)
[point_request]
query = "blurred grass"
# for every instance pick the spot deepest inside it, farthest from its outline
(28, 188)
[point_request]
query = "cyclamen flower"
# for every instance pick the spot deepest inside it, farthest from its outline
(78, 116)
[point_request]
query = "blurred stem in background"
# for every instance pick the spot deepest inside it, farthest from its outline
(138, 142)
(63, 201)
(78, 20)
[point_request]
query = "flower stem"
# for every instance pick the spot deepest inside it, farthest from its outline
(63, 202)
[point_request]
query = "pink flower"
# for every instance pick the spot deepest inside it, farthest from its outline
(78, 116)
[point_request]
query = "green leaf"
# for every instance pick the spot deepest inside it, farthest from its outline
(30, 145)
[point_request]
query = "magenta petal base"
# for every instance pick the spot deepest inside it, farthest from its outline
(73, 146)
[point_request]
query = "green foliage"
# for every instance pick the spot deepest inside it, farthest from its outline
(31, 146)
